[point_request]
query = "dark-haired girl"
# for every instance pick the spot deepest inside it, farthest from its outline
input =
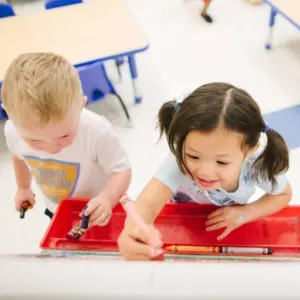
(221, 150)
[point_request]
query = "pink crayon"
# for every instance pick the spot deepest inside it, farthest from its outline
(132, 212)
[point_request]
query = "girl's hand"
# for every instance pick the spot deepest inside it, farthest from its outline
(228, 217)
(135, 244)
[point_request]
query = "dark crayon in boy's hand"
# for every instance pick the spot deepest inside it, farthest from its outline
(85, 219)
(25, 206)
(78, 231)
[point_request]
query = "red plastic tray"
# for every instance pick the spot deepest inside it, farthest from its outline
(181, 224)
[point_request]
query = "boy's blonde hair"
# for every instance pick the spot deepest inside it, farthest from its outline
(41, 86)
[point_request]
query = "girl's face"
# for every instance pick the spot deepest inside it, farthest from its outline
(214, 159)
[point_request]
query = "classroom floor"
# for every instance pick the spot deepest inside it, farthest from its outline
(184, 53)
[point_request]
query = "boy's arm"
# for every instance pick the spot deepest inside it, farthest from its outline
(99, 208)
(116, 185)
(14, 145)
(23, 180)
(22, 173)
(113, 159)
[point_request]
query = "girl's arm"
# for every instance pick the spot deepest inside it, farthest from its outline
(152, 200)
(269, 204)
(232, 217)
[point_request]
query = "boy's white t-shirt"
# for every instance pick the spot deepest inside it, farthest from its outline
(185, 190)
(79, 170)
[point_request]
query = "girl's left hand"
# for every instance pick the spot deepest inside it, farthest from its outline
(230, 217)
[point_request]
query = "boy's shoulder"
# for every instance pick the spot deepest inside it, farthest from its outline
(92, 122)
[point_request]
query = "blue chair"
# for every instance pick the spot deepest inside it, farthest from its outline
(6, 10)
(59, 3)
(3, 115)
(96, 84)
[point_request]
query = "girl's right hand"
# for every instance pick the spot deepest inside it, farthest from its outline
(23, 195)
(136, 244)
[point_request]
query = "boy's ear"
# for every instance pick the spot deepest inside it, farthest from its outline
(84, 101)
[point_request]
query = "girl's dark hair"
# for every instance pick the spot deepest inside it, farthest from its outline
(217, 105)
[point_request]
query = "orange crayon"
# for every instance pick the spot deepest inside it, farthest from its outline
(193, 249)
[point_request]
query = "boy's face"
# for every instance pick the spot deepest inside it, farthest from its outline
(54, 136)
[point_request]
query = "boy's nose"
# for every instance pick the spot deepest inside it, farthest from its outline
(54, 147)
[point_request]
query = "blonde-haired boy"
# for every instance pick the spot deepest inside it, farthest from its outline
(68, 150)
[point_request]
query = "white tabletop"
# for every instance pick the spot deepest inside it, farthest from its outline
(39, 278)
(81, 32)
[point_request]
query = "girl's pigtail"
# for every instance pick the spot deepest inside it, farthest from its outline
(165, 116)
(275, 157)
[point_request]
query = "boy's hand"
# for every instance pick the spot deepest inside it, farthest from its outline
(99, 209)
(23, 195)
(230, 217)
(134, 243)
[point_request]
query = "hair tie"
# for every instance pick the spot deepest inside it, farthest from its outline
(266, 129)
(176, 106)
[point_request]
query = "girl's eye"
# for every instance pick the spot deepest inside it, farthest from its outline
(192, 157)
(65, 136)
(222, 163)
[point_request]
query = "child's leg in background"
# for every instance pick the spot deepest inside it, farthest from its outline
(204, 14)
(255, 2)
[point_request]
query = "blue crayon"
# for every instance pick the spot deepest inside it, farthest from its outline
(85, 220)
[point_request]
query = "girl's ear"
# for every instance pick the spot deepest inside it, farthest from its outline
(251, 151)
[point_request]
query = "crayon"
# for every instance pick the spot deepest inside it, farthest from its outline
(252, 250)
(25, 206)
(75, 233)
(212, 249)
(132, 212)
(85, 219)
(193, 249)
(79, 229)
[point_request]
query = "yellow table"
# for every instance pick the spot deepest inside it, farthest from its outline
(83, 33)
(289, 9)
